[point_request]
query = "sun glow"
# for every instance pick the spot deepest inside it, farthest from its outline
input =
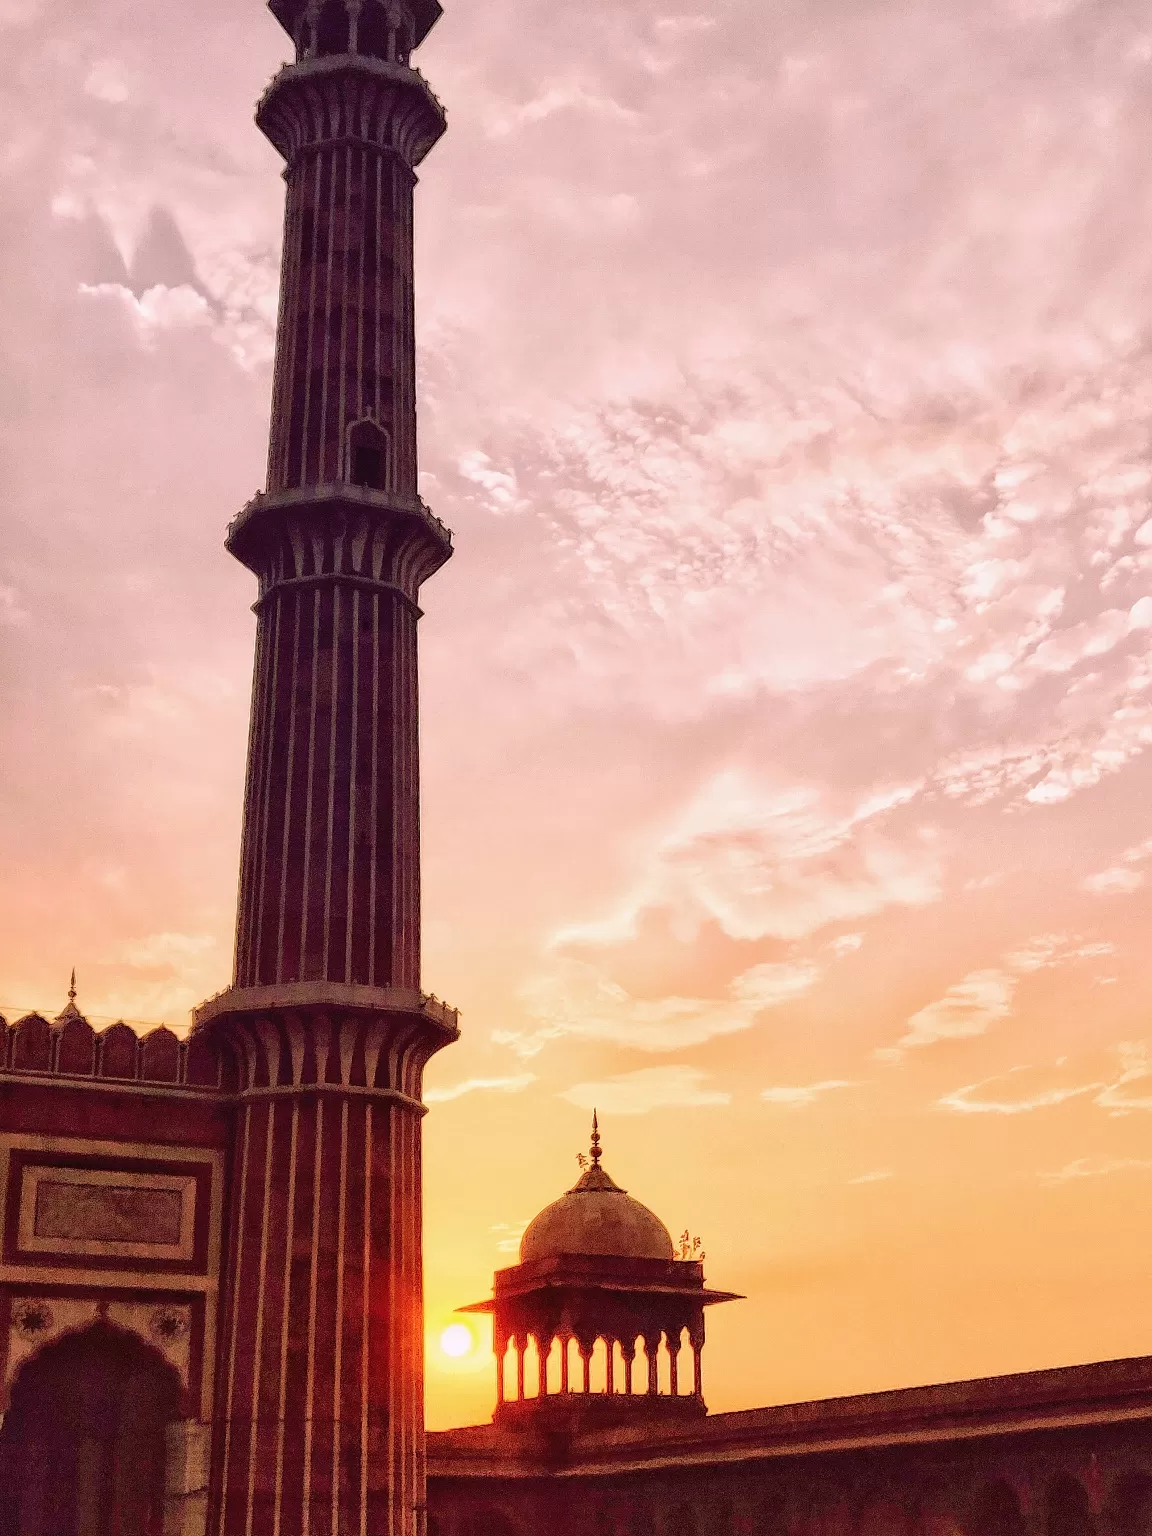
(456, 1341)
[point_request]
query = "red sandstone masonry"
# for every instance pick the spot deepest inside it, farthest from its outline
(71, 1048)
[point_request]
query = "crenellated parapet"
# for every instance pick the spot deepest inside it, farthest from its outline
(70, 1051)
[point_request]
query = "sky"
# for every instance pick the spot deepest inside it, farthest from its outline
(786, 379)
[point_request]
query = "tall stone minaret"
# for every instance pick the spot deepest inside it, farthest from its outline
(319, 1418)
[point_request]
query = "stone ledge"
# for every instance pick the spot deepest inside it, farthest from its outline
(326, 996)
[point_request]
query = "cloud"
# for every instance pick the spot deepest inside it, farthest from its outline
(981, 999)
(515, 1084)
(969, 1007)
(1016, 1092)
(1135, 1069)
(1124, 877)
(11, 610)
(1116, 881)
(847, 944)
(805, 1096)
(782, 862)
(877, 1176)
(1049, 949)
(508, 1235)
(1096, 1168)
(168, 949)
(574, 997)
(636, 1093)
(568, 96)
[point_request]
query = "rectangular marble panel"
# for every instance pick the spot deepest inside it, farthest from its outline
(103, 1213)
(106, 1213)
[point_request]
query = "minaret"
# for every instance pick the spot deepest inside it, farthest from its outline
(319, 1412)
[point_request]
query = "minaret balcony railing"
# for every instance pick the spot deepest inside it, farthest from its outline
(334, 493)
(294, 109)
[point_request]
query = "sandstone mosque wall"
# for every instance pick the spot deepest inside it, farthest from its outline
(1047, 1453)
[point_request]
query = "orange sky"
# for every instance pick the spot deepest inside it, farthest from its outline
(785, 378)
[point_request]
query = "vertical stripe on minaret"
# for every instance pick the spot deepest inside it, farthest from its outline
(319, 1417)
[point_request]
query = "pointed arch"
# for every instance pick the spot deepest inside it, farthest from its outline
(369, 456)
(119, 1051)
(996, 1511)
(160, 1056)
(332, 28)
(76, 1048)
(372, 32)
(682, 1521)
(32, 1044)
(84, 1438)
(1130, 1505)
(1067, 1508)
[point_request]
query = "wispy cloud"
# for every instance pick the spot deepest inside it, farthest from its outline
(1123, 877)
(1018, 1091)
(515, 1084)
(1096, 1168)
(774, 861)
(805, 1095)
(636, 1093)
(980, 1000)
(574, 997)
(508, 1235)
(1132, 1088)
(970, 1007)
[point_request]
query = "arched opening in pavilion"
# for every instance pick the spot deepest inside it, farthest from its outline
(1130, 1506)
(1067, 1508)
(997, 1512)
(682, 1521)
(83, 1443)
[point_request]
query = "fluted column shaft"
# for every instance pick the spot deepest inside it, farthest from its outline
(346, 341)
(320, 1428)
(319, 1416)
(330, 863)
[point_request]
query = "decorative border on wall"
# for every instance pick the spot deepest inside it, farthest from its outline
(174, 1327)
(92, 1211)
(54, 1200)
(167, 1293)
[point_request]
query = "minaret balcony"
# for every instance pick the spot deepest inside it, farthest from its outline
(384, 103)
(339, 531)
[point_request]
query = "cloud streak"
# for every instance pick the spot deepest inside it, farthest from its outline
(638, 1093)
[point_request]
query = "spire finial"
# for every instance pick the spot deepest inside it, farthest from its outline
(72, 987)
(595, 1141)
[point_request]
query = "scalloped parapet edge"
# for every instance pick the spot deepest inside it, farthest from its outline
(69, 1049)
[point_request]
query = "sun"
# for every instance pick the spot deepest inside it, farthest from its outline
(456, 1341)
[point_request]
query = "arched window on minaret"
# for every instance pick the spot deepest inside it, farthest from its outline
(373, 33)
(368, 456)
(332, 30)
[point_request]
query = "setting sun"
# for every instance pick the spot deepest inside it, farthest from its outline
(457, 1341)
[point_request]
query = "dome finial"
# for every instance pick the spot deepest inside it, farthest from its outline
(72, 987)
(595, 1141)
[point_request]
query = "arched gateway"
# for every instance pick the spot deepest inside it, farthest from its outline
(82, 1449)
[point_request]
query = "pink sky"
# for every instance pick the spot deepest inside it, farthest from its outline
(786, 706)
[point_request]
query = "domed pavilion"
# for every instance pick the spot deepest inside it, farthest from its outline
(599, 1281)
